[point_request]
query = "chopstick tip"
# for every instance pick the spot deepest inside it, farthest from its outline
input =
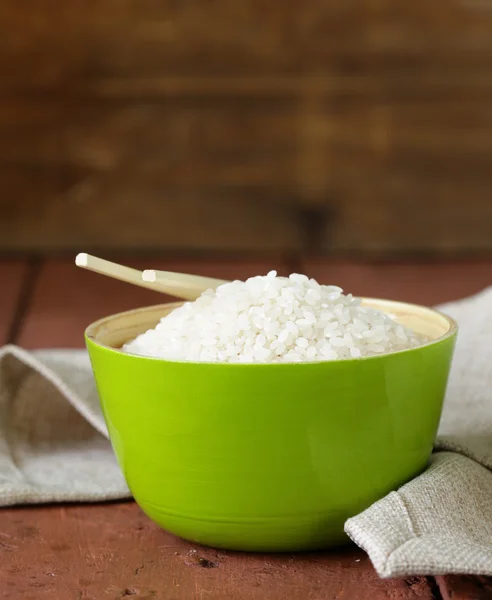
(81, 259)
(149, 275)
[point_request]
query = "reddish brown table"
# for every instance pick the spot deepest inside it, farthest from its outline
(93, 552)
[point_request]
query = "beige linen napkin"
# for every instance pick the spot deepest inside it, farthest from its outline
(53, 439)
(441, 522)
(54, 447)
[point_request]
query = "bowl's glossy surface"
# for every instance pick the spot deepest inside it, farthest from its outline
(269, 457)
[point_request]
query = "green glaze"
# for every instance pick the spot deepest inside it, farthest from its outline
(269, 457)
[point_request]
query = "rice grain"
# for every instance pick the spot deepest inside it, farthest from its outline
(273, 319)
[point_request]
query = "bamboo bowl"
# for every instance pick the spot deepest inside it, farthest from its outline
(269, 457)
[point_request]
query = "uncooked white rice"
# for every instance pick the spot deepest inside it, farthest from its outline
(273, 319)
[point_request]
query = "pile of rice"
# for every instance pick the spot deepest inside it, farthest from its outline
(271, 320)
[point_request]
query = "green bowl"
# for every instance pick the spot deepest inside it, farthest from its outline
(269, 457)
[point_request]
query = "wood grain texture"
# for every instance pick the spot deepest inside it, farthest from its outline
(12, 275)
(465, 587)
(114, 551)
(67, 299)
(338, 127)
(425, 282)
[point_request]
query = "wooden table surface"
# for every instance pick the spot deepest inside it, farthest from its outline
(94, 552)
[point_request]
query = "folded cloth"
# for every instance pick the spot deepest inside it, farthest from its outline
(54, 447)
(53, 440)
(441, 522)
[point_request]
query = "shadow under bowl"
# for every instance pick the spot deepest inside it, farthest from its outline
(269, 457)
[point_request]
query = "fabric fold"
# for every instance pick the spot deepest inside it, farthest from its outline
(441, 521)
(53, 439)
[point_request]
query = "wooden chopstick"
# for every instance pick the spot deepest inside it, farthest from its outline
(182, 285)
(114, 270)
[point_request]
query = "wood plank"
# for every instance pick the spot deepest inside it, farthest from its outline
(341, 127)
(235, 177)
(12, 275)
(125, 40)
(465, 587)
(67, 299)
(146, 175)
(114, 551)
(398, 173)
(79, 208)
(427, 282)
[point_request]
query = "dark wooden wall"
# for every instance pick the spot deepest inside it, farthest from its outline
(323, 125)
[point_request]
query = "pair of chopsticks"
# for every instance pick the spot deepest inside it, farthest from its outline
(180, 285)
